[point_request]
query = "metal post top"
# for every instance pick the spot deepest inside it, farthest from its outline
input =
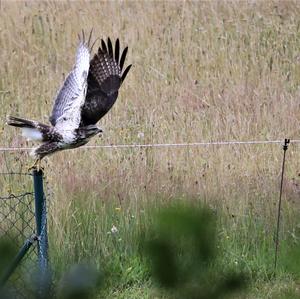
(36, 172)
(286, 143)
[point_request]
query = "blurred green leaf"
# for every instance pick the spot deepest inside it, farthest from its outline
(7, 254)
(182, 254)
(163, 262)
(80, 282)
(291, 259)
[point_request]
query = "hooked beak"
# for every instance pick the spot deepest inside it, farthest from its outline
(99, 133)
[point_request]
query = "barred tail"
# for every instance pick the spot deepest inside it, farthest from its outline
(20, 122)
(32, 130)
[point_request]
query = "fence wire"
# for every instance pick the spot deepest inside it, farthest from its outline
(162, 145)
(17, 224)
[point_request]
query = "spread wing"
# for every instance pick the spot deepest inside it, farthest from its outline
(104, 80)
(66, 113)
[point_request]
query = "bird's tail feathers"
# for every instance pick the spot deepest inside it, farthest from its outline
(30, 129)
(32, 134)
(20, 122)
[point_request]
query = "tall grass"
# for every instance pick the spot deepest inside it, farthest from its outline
(202, 71)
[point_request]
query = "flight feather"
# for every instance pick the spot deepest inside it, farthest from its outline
(67, 106)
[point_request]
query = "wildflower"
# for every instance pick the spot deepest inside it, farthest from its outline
(118, 209)
(140, 135)
(114, 230)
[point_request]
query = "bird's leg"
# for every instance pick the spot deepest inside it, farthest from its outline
(39, 165)
(36, 165)
(33, 166)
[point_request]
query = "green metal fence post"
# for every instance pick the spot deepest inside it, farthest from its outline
(41, 231)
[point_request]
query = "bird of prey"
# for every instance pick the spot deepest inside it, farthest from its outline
(87, 94)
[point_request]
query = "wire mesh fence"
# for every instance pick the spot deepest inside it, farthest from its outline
(17, 225)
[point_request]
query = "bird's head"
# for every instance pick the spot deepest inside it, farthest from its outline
(88, 131)
(92, 130)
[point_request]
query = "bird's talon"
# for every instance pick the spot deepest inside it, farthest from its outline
(36, 166)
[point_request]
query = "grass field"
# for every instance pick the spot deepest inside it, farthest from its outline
(202, 71)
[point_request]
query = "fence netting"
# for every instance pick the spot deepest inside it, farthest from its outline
(17, 224)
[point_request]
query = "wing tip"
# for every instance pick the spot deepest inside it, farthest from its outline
(110, 48)
(117, 50)
(126, 72)
(123, 57)
(103, 46)
(86, 42)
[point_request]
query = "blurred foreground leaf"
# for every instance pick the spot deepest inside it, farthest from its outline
(80, 282)
(7, 254)
(182, 254)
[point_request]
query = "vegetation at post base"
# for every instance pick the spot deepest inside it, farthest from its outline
(181, 252)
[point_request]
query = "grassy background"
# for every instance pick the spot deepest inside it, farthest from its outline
(203, 71)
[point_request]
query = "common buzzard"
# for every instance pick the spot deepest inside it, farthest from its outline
(87, 94)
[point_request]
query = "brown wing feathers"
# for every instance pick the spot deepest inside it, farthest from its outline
(105, 69)
(110, 48)
(105, 63)
(117, 50)
(104, 80)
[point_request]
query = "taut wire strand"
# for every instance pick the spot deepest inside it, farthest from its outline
(185, 144)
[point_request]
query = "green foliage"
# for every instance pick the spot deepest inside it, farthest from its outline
(291, 258)
(183, 255)
(7, 252)
(80, 282)
(180, 251)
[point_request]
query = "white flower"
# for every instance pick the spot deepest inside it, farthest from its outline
(140, 135)
(114, 230)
